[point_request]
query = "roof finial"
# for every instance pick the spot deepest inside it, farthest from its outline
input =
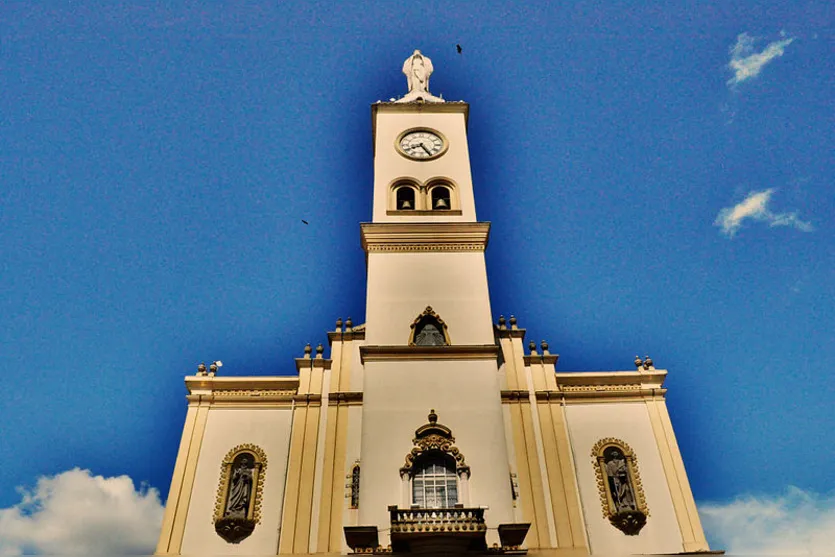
(433, 417)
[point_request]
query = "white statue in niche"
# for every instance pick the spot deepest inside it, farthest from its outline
(430, 336)
(418, 68)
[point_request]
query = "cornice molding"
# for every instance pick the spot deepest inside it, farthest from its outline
(310, 363)
(404, 352)
(217, 385)
(424, 236)
(653, 378)
(350, 398)
(345, 336)
(598, 386)
(509, 333)
(424, 213)
(541, 359)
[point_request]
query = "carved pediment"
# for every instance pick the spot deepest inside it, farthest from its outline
(434, 437)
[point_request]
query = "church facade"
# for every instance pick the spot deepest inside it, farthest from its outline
(430, 428)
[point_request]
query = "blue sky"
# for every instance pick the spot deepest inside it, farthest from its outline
(659, 181)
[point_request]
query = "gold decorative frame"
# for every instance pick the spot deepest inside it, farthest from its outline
(253, 516)
(434, 437)
(440, 153)
(629, 522)
(428, 312)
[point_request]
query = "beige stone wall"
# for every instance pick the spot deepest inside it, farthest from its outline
(390, 165)
(401, 285)
(397, 399)
(629, 422)
(269, 428)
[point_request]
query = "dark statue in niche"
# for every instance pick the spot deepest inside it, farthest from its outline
(240, 488)
(429, 335)
(620, 485)
(625, 513)
(237, 522)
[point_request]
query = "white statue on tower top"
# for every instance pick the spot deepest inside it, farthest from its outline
(418, 68)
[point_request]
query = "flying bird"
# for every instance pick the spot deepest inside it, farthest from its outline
(304, 221)
(458, 47)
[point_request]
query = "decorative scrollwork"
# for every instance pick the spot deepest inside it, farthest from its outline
(619, 483)
(434, 437)
(239, 491)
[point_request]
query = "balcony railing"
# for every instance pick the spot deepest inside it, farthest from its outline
(405, 521)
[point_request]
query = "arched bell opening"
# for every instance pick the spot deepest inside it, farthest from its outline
(405, 198)
(441, 198)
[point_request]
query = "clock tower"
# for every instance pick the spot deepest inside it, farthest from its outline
(429, 428)
(425, 253)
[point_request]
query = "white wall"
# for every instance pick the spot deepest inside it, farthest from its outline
(629, 422)
(401, 285)
(269, 428)
(398, 398)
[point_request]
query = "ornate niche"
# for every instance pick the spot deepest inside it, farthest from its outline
(239, 491)
(428, 329)
(619, 482)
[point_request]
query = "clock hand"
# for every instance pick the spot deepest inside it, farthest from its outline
(428, 152)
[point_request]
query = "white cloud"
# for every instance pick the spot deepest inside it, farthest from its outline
(75, 513)
(755, 207)
(795, 523)
(745, 63)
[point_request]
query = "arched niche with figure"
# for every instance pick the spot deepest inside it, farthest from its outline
(239, 492)
(428, 329)
(619, 483)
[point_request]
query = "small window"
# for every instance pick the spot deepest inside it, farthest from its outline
(405, 198)
(355, 487)
(441, 199)
(435, 483)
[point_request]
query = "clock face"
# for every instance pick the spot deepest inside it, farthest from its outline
(421, 144)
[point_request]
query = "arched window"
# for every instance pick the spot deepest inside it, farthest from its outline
(355, 486)
(435, 482)
(435, 474)
(441, 198)
(405, 198)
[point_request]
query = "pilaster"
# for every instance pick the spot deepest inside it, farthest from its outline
(200, 411)
(693, 537)
(178, 480)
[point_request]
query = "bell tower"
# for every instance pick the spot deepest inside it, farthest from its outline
(430, 342)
